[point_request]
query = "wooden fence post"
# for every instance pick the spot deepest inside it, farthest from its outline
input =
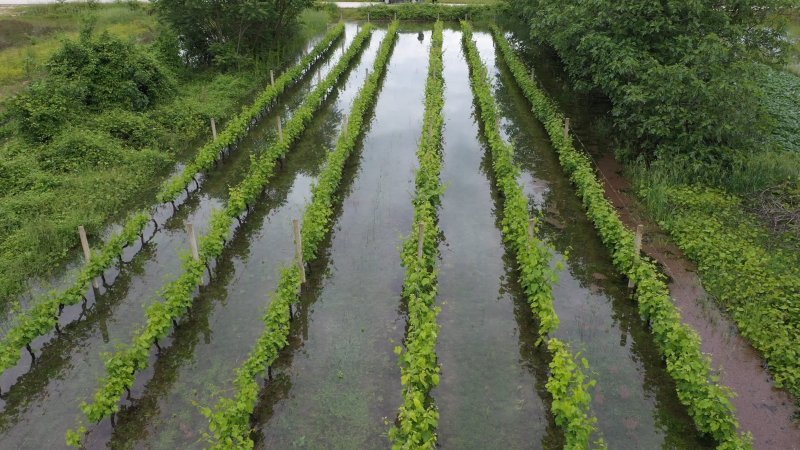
(214, 128)
(87, 253)
(280, 128)
(420, 240)
(566, 128)
(272, 77)
(637, 248)
(193, 241)
(298, 250)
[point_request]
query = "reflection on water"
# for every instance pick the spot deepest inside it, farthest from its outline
(492, 391)
(635, 399)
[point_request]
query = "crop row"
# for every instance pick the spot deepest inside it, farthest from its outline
(418, 417)
(43, 317)
(121, 367)
(567, 385)
(229, 421)
(706, 400)
(238, 126)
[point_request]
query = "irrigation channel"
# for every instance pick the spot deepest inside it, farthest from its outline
(337, 384)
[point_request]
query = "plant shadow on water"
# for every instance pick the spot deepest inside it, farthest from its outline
(339, 381)
(168, 415)
(635, 400)
(70, 364)
(492, 392)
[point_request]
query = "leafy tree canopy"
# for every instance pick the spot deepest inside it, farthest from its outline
(679, 73)
(225, 31)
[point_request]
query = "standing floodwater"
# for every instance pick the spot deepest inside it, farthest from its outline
(341, 383)
(635, 400)
(488, 396)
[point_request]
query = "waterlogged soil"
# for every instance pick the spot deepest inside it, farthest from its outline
(635, 400)
(491, 393)
(338, 384)
(198, 366)
(69, 367)
(766, 412)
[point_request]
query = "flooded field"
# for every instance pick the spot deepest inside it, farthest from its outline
(337, 383)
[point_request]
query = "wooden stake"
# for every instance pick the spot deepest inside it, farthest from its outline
(566, 128)
(272, 77)
(367, 17)
(420, 239)
(531, 227)
(214, 128)
(193, 241)
(280, 128)
(298, 250)
(87, 253)
(637, 247)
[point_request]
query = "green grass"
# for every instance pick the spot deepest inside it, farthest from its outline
(30, 34)
(40, 208)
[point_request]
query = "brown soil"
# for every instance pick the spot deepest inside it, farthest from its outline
(762, 409)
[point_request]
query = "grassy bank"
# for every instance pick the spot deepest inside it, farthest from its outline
(115, 155)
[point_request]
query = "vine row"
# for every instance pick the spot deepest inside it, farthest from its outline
(121, 367)
(418, 418)
(566, 383)
(707, 401)
(229, 421)
(238, 126)
(43, 317)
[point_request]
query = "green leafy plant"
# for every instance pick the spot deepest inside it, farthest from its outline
(418, 417)
(707, 401)
(229, 421)
(238, 126)
(121, 366)
(571, 399)
(42, 318)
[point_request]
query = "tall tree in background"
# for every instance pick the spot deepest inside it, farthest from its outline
(678, 72)
(221, 31)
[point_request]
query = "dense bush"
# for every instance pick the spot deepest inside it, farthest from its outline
(90, 73)
(679, 74)
(75, 149)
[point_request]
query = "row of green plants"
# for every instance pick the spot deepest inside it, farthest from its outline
(760, 287)
(707, 401)
(568, 386)
(418, 418)
(420, 12)
(121, 366)
(238, 126)
(229, 420)
(42, 318)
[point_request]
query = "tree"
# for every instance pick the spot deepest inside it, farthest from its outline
(679, 73)
(225, 31)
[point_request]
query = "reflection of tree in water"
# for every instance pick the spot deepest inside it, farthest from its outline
(589, 262)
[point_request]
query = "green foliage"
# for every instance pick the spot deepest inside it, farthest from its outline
(571, 399)
(533, 258)
(707, 401)
(420, 12)
(241, 123)
(121, 366)
(75, 149)
(91, 73)
(759, 286)
(678, 74)
(43, 317)
(229, 421)
(418, 417)
(226, 31)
